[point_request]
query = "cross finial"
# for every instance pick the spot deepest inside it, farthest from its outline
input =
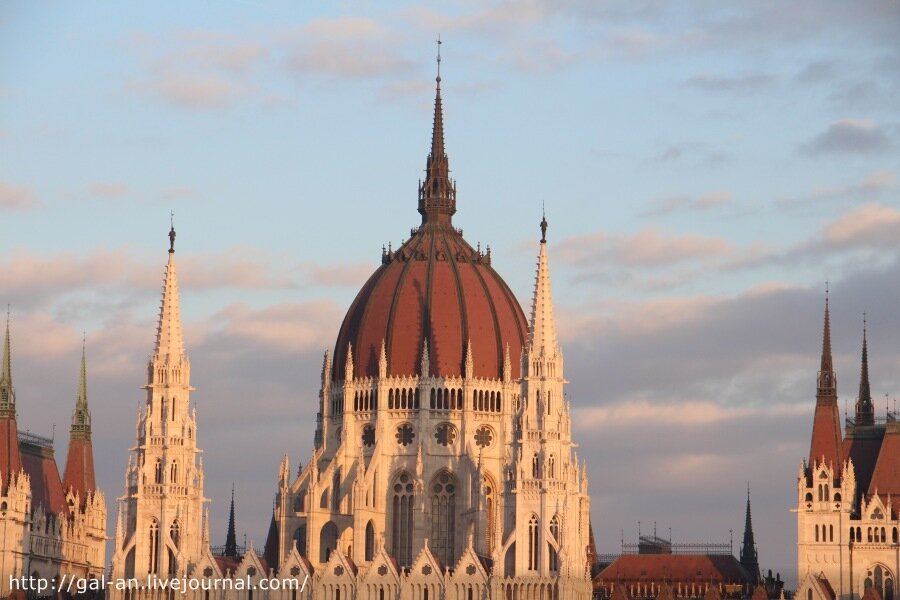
(439, 59)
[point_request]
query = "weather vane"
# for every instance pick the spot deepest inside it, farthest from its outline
(439, 58)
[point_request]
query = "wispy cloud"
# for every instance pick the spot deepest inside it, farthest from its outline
(107, 189)
(715, 199)
(872, 185)
(17, 198)
(722, 83)
(849, 136)
(649, 247)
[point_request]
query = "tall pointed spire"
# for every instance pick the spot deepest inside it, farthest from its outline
(826, 444)
(231, 537)
(10, 459)
(542, 337)
(749, 558)
(7, 392)
(865, 410)
(79, 473)
(169, 340)
(437, 194)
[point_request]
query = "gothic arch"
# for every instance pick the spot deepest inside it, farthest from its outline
(401, 528)
(328, 538)
(443, 516)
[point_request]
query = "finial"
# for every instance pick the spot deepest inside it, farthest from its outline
(172, 231)
(438, 78)
(543, 224)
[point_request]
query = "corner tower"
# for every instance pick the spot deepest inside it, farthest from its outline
(161, 527)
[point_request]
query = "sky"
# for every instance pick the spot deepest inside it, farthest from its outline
(706, 167)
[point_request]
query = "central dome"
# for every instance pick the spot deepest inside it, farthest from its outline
(435, 287)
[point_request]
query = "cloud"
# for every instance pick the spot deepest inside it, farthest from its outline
(17, 198)
(849, 136)
(872, 185)
(740, 85)
(339, 275)
(107, 190)
(344, 48)
(817, 72)
(872, 226)
(196, 91)
(715, 199)
(647, 248)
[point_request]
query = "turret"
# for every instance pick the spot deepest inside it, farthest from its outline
(79, 473)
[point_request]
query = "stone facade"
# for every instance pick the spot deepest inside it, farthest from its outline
(847, 523)
(162, 522)
(50, 527)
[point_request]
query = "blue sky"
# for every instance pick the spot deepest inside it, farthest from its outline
(705, 169)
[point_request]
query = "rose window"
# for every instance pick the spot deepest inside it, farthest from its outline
(405, 434)
(368, 436)
(445, 434)
(484, 436)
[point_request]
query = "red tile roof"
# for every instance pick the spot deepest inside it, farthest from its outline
(79, 473)
(436, 286)
(10, 459)
(46, 486)
(674, 568)
(826, 437)
(886, 476)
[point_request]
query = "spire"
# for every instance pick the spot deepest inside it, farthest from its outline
(437, 194)
(865, 410)
(7, 392)
(169, 340)
(749, 559)
(79, 474)
(81, 417)
(826, 442)
(542, 338)
(827, 365)
(230, 537)
(10, 459)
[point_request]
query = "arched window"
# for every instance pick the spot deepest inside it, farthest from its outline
(852, 534)
(554, 533)
(443, 517)
(831, 533)
(173, 472)
(551, 467)
(402, 519)
(370, 541)
(328, 538)
(817, 533)
(336, 490)
(533, 543)
(175, 534)
(158, 477)
(154, 546)
(535, 466)
(489, 491)
(300, 539)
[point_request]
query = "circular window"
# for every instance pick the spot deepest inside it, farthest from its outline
(405, 434)
(445, 434)
(368, 436)
(484, 436)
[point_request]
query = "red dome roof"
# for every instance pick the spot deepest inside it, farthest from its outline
(435, 287)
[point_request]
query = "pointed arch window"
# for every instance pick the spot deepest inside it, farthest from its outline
(173, 472)
(175, 534)
(153, 542)
(402, 519)
(443, 517)
(370, 541)
(158, 477)
(533, 543)
(489, 490)
(535, 466)
(328, 539)
(551, 467)
(554, 533)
